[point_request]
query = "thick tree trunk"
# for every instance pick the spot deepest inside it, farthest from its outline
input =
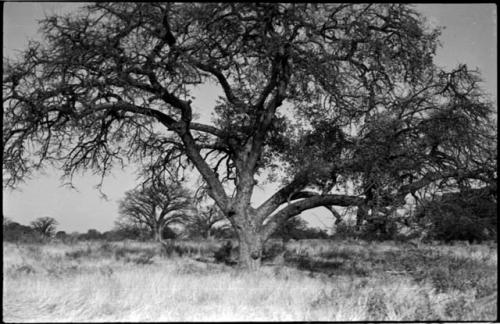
(250, 236)
(250, 249)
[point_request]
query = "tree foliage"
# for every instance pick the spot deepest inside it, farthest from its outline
(341, 104)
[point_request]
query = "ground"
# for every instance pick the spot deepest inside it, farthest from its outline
(317, 280)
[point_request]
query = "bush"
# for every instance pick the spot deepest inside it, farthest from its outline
(15, 232)
(168, 233)
(81, 253)
(345, 230)
(272, 250)
(380, 229)
(459, 216)
(61, 235)
(226, 253)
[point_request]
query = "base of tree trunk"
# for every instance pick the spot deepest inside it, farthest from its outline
(250, 252)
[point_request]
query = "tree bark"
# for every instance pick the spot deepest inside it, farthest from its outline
(251, 244)
(250, 233)
(157, 234)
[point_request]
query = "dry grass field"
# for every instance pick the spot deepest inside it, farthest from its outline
(317, 281)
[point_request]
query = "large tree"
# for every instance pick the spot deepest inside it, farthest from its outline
(341, 104)
(155, 206)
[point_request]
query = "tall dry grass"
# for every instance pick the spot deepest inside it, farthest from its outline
(319, 281)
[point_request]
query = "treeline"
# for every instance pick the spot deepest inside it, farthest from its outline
(296, 229)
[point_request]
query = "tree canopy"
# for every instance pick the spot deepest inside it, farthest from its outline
(340, 103)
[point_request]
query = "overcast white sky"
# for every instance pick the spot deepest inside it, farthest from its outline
(470, 37)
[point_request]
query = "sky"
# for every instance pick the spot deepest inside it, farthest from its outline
(469, 37)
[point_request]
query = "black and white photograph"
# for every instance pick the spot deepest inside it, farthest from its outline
(249, 162)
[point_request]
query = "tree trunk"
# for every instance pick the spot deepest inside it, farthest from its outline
(157, 234)
(250, 249)
(250, 236)
(361, 216)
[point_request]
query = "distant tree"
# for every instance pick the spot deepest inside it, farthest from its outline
(92, 234)
(45, 226)
(203, 222)
(155, 205)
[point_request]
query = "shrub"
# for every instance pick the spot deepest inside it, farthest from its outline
(345, 230)
(226, 253)
(460, 216)
(272, 250)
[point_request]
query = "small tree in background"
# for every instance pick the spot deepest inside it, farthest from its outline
(46, 226)
(155, 206)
